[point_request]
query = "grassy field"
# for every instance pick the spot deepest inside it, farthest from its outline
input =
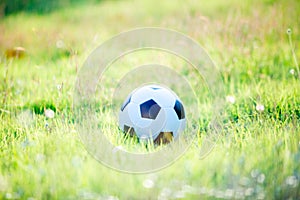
(258, 153)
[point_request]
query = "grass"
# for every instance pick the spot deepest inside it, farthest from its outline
(258, 153)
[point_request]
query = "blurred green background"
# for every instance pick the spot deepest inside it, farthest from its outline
(8, 7)
(43, 45)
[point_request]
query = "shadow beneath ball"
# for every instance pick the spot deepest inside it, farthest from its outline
(164, 138)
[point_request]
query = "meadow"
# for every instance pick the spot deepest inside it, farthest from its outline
(255, 47)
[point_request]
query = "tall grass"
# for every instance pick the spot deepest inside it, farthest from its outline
(258, 151)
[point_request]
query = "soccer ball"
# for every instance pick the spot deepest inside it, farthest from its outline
(152, 112)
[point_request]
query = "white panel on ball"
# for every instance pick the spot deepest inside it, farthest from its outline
(164, 98)
(141, 95)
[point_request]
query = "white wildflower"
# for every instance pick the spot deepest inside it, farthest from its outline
(260, 107)
(230, 99)
(148, 183)
(59, 86)
(261, 178)
(255, 173)
(249, 191)
(292, 181)
(261, 195)
(49, 113)
(60, 44)
(8, 195)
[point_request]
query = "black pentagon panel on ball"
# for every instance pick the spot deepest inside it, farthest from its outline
(155, 88)
(179, 110)
(129, 130)
(149, 109)
(126, 102)
(164, 138)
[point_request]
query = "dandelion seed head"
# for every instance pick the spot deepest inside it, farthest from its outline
(261, 195)
(60, 44)
(58, 86)
(292, 181)
(254, 173)
(260, 107)
(261, 178)
(249, 191)
(244, 181)
(289, 31)
(8, 195)
(292, 71)
(230, 99)
(49, 113)
(148, 183)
